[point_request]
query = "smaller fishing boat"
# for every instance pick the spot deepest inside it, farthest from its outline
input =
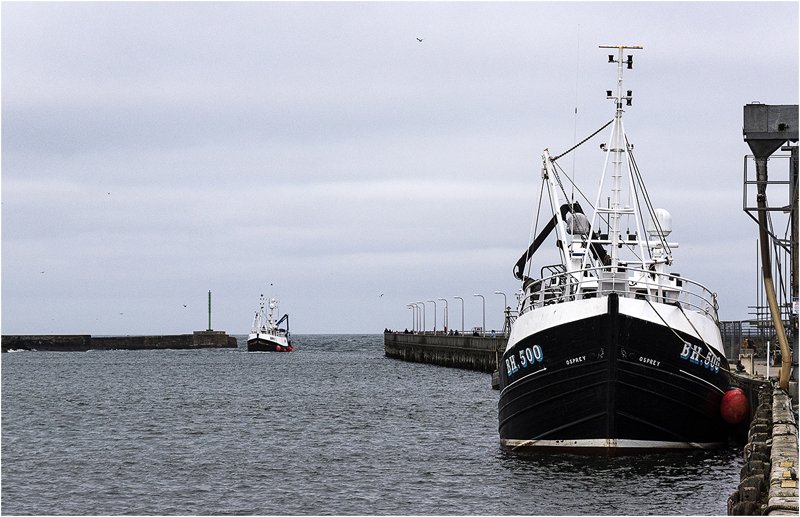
(267, 334)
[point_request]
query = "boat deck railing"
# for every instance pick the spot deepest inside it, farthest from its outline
(627, 282)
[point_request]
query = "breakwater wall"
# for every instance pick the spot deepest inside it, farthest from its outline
(461, 351)
(82, 343)
(768, 479)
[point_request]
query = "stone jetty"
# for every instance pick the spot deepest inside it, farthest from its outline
(768, 479)
(465, 351)
(83, 343)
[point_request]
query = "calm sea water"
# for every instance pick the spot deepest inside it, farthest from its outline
(331, 428)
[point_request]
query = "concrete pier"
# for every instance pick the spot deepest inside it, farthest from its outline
(782, 494)
(82, 343)
(768, 479)
(463, 351)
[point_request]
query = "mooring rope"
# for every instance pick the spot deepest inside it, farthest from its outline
(690, 323)
(646, 298)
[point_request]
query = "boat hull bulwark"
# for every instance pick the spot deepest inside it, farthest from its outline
(263, 343)
(611, 381)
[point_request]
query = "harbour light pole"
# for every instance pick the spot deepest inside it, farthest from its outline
(483, 300)
(209, 311)
(505, 308)
(413, 317)
(446, 314)
(434, 315)
(462, 312)
(505, 300)
(423, 316)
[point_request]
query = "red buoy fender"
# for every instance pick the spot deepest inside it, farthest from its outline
(277, 348)
(734, 407)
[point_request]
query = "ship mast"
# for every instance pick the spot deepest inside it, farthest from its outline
(617, 150)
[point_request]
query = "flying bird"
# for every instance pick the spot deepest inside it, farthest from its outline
(419, 39)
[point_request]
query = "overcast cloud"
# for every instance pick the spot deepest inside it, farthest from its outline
(154, 151)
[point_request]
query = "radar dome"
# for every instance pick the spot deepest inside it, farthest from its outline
(577, 224)
(663, 221)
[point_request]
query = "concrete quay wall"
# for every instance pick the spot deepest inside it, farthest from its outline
(467, 352)
(782, 496)
(82, 343)
(768, 479)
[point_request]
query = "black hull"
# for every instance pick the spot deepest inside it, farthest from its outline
(611, 382)
(264, 345)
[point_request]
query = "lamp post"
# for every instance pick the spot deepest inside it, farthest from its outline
(462, 312)
(446, 314)
(413, 317)
(423, 316)
(505, 307)
(483, 300)
(434, 315)
(505, 300)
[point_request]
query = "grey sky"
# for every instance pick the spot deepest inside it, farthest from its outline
(155, 151)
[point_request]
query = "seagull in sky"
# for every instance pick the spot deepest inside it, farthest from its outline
(419, 39)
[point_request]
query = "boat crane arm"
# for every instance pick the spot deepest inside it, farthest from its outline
(553, 188)
(519, 267)
(285, 317)
(597, 249)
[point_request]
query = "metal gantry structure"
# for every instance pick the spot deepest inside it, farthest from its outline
(767, 129)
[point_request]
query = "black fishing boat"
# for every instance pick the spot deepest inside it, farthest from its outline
(611, 350)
